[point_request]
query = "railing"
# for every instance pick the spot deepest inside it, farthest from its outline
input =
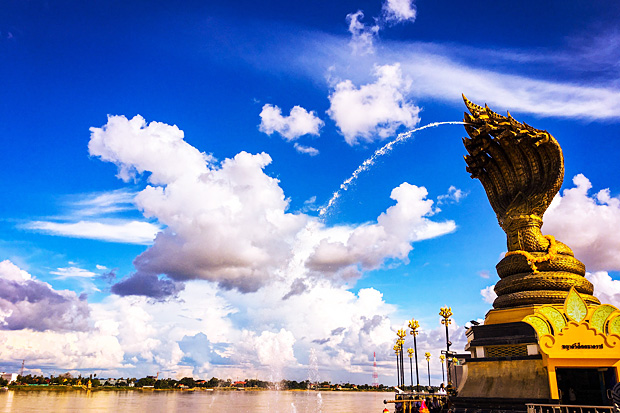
(408, 400)
(567, 408)
(408, 405)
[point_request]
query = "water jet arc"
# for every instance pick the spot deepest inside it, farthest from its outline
(384, 150)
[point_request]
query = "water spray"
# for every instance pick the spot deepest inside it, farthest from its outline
(384, 150)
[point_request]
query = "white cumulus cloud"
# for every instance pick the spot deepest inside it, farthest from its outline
(270, 351)
(306, 149)
(488, 294)
(397, 11)
(298, 123)
(64, 350)
(343, 327)
(606, 288)
(136, 147)
(391, 237)
(362, 36)
(454, 195)
(229, 223)
(587, 223)
(229, 226)
(12, 272)
(26, 303)
(373, 111)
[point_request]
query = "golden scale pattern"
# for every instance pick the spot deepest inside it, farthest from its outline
(521, 169)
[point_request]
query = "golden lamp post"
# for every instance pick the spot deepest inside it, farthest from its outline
(414, 325)
(428, 363)
(401, 333)
(442, 358)
(401, 344)
(446, 313)
(397, 351)
(410, 352)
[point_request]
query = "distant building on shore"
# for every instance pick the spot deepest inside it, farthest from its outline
(10, 377)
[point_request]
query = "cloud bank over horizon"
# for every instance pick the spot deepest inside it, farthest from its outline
(252, 334)
(26, 303)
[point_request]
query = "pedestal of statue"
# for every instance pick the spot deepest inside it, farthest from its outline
(568, 354)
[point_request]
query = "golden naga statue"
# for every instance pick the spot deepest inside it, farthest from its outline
(521, 169)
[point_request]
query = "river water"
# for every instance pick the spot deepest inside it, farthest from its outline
(196, 401)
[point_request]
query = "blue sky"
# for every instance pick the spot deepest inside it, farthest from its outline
(224, 127)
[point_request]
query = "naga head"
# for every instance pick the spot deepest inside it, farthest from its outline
(520, 167)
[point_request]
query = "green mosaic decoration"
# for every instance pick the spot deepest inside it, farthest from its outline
(614, 326)
(555, 318)
(548, 320)
(574, 306)
(600, 315)
(540, 325)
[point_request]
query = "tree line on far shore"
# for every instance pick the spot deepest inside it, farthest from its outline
(186, 382)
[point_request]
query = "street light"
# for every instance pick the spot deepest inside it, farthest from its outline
(401, 345)
(414, 325)
(446, 313)
(442, 358)
(401, 333)
(428, 362)
(397, 351)
(410, 351)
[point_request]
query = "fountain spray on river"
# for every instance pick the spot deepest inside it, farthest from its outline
(313, 379)
(384, 150)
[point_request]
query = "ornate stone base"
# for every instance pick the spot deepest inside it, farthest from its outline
(506, 370)
(489, 378)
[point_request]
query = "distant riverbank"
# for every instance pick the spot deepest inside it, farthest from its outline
(38, 387)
